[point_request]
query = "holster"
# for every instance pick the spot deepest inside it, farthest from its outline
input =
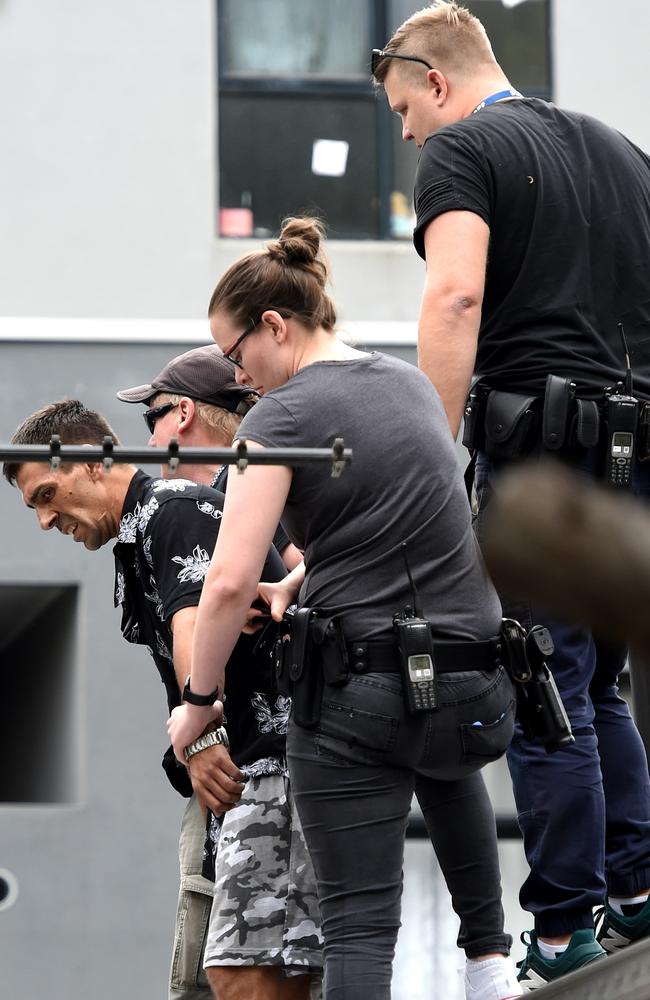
(304, 672)
(540, 711)
(314, 654)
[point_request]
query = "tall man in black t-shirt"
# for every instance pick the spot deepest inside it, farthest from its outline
(535, 226)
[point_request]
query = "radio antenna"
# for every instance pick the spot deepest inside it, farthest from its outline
(628, 363)
(417, 607)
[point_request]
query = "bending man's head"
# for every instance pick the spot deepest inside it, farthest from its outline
(79, 499)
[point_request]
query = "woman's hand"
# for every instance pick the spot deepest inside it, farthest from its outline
(278, 596)
(187, 723)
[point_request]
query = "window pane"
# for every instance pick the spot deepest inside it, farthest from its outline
(520, 39)
(267, 157)
(295, 38)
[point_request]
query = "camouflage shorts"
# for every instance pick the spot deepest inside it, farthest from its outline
(265, 909)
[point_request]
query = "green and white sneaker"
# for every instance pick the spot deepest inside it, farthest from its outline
(536, 971)
(616, 930)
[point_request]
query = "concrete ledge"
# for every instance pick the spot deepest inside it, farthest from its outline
(102, 330)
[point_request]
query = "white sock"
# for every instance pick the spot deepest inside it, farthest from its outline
(618, 902)
(551, 951)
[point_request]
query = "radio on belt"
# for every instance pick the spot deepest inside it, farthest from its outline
(415, 646)
(416, 655)
(621, 411)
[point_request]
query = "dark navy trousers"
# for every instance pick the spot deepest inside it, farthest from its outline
(584, 811)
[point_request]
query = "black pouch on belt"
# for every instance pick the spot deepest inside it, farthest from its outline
(474, 418)
(327, 636)
(280, 660)
(585, 425)
(557, 403)
(511, 421)
(305, 670)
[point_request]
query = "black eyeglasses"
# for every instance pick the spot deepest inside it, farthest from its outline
(379, 54)
(155, 413)
(249, 329)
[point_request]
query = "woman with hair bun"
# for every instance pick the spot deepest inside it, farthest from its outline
(359, 749)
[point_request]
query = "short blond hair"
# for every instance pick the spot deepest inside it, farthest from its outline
(445, 35)
(219, 421)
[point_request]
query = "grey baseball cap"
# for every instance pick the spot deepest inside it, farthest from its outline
(203, 374)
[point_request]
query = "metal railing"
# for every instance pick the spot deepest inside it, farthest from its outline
(240, 455)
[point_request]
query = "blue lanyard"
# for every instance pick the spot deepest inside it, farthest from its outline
(501, 95)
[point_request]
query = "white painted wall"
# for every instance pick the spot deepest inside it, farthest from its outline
(107, 168)
(107, 155)
(601, 60)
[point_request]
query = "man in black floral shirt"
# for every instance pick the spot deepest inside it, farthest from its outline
(166, 531)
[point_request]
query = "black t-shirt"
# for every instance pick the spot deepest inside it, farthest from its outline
(168, 530)
(567, 200)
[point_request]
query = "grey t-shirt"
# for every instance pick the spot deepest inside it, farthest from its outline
(404, 485)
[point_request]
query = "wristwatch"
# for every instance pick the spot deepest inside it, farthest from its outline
(215, 738)
(202, 700)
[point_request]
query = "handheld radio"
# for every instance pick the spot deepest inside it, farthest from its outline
(416, 653)
(622, 413)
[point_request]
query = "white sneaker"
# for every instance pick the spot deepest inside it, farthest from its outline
(491, 979)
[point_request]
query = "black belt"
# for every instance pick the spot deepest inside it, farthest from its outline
(449, 657)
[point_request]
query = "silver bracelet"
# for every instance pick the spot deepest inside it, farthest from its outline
(218, 737)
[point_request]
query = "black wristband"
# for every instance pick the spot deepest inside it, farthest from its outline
(202, 700)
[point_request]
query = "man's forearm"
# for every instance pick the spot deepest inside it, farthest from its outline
(456, 246)
(447, 337)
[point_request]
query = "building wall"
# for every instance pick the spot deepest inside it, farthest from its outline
(107, 155)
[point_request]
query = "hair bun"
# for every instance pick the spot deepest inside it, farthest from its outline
(299, 240)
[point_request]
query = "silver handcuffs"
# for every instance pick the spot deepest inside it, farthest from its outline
(218, 737)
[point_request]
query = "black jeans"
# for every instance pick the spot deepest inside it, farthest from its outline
(353, 780)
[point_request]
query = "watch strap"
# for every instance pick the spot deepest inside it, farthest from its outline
(201, 700)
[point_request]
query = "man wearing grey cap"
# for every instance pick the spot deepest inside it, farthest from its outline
(196, 400)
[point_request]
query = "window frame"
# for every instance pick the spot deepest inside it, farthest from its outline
(360, 87)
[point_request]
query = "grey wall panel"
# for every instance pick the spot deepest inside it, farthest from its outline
(98, 877)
